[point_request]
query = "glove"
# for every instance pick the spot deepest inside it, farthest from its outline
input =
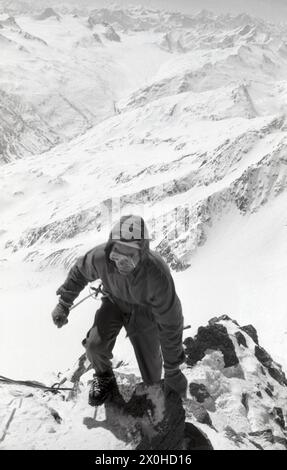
(176, 382)
(60, 315)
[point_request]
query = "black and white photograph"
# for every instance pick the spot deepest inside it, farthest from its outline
(143, 227)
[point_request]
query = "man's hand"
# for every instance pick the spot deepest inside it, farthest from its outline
(60, 315)
(175, 381)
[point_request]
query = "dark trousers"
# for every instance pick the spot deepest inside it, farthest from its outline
(143, 334)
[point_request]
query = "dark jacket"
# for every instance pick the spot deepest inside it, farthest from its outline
(148, 290)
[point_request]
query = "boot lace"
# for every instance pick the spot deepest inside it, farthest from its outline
(101, 384)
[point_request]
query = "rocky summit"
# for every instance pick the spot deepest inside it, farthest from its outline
(235, 400)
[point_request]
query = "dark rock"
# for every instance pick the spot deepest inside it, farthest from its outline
(169, 433)
(214, 320)
(258, 446)
(199, 391)
(262, 356)
(139, 404)
(266, 434)
(268, 391)
(273, 368)
(251, 331)
(259, 394)
(111, 34)
(277, 413)
(245, 30)
(242, 203)
(231, 434)
(149, 420)
(205, 418)
(240, 339)
(281, 440)
(244, 401)
(196, 410)
(234, 371)
(270, 386)
(165, 250)
(214, 337)
(194, 439)
(48, 13)
(97, 38)
(202, 416)
(10, 22)
(56, 415)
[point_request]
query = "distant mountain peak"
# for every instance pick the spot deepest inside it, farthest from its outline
(205, 15)
(48, 13)
(10, 22)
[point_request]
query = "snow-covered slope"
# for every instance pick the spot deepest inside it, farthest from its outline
(64, 75)
(66, 72)
(185, 150)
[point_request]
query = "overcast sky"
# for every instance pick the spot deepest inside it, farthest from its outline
(273, 10)
(269, 9)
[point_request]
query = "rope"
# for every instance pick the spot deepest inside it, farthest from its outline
(41, 386)
(32, 383)
(95, 293)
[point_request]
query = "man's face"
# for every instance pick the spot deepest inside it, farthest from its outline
(125, 258)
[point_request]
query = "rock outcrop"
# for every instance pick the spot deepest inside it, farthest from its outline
(237, 383)
(48, 13)
(235, 400)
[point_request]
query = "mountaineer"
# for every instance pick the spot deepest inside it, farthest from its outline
(139, 294)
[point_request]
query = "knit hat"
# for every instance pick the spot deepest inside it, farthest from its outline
(129, 229)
